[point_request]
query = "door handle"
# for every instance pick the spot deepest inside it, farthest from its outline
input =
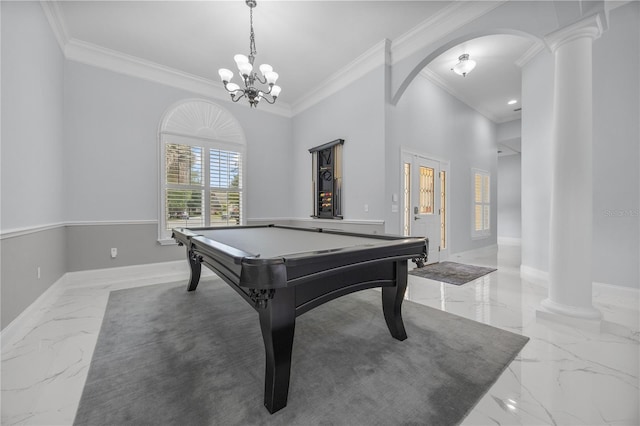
(416, 218)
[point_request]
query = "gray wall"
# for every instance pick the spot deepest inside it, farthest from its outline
(32, 157)
(89, 246)
(21, 258)
(429, 121)
(616, 146)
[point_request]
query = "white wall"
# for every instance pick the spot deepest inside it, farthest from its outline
(616, 150)
(428, 120)
(111, 151)
(509, 130)
(509, 198)
(509, 135)
(32, 93)
(537, 108)
(616, 145)
(32, 148)
(355, 114)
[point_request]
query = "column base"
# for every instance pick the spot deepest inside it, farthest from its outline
(589, 319)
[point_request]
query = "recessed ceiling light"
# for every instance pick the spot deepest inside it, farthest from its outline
(512, 101)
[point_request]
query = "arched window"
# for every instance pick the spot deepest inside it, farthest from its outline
(202, 150)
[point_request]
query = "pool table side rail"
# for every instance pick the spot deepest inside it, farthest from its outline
(239, 256)
(229, 272)
(251, 271)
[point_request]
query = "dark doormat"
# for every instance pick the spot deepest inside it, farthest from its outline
(451, 272)
(166, 356)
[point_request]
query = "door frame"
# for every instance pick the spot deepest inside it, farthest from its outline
(445, 165)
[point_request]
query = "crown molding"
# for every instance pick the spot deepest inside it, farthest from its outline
(438, 81)
(449, 19)
(531, 53)
(98, 56)
(373, 58)
(387, 52)
(57, 23)
(101, 57)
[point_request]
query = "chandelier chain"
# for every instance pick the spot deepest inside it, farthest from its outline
(252, 38)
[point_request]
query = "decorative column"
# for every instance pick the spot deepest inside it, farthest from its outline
(571, 219)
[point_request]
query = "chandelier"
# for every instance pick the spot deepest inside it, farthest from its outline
(464, 66)
(249, 77)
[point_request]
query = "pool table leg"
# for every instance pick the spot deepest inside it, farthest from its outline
(278, 321)
(195, 264)
(392, 298)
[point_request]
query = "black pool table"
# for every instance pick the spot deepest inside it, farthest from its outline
(284, 272)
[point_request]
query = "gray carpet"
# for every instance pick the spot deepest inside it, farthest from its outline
(451, 272)
(166, 356)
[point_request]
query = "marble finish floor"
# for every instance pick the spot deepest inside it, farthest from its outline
(563, 376)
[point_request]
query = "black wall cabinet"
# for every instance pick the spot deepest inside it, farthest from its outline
(327, 180)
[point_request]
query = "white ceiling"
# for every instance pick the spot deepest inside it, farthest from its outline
(496, 79)
(305, 41)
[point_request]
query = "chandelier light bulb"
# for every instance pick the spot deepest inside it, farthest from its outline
(265, 68)
(271, 77)
(245, 69)
(240, 59)
(275, 91)
(225, 74)
(232, 87)
(464, 66)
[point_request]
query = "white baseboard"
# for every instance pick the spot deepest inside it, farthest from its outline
(153, 273)
(32, 314)
(168, 270)
(509, 241)
(535, 275)
(486, 249)
(617, 290)
(542, 278)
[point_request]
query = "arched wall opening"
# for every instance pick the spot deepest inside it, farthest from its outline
(439, 49)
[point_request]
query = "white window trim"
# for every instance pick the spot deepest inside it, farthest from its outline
(197, 122)
(486, 232)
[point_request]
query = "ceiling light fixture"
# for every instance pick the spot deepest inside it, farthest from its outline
(464, 65)
(245, 67)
